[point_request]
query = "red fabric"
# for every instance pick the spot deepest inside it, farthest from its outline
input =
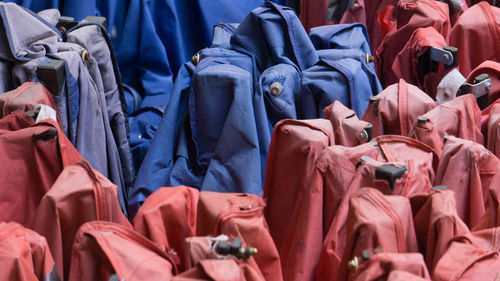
(103, 248)
(373, 221)
(312, 13)
(467, 168)
(393, 113)
(205, 264)
(240, 215)
(293, 192)
(419, 159)
(478, 24)
(416, 178)
(33, 155)
(200, 248)
(455, 15)
(405, 65)
(460, 117)
(399, 275)
(399, 148)
(491, 216)
(227, 269)
(485, 239)
(471, 257)
(436, 223)
(168, 217)
(334, 244)
(493, 70)
(381, 265)
(24, 255)
(337, 166)
(411, 15)
(357, 12)
(79, 195)
(347, 128)
(493, 137)
(485, 116)
(377, 16)
(24, 98)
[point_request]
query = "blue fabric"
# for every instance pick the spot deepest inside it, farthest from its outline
(341, 36)
(142, 132)
(343, 73)
(273, 34)
(141, 56)
(208, 140)
(342, 80)
(270, 109)
(216, 130)
(222, 35)
(132, 98)
(341, 41)
(186, 26)
(159, 160)
(358, 55)
(280, 106)
(223, 129)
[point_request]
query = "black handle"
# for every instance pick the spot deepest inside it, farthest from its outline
(52, 73)
(389, 173)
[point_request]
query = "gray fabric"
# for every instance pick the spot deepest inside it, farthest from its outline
(24, 36)
(50, 15)
(93, 121)
(5, 76)
(90, 131)
(29, 39)
(91, 38)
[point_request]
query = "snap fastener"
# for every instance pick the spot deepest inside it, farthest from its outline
(363, 136)
(276, 88)
(85, 56)
(195, 59)
(422, 120)
(252, 251)
(374, 100)
(353, 264)
(488, 86)
(446, 57)
(369, 59)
